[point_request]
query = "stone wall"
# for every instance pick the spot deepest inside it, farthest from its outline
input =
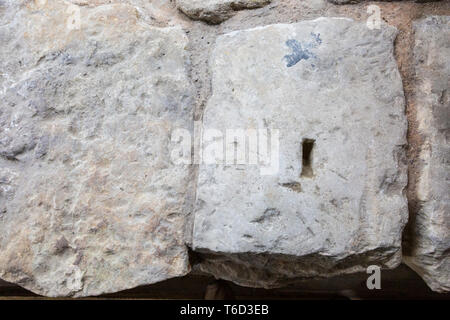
(257, 141)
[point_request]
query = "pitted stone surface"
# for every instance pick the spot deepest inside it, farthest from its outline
(358, 1)
(430, 226)
(216, 11)
(331, 82)
(89, 199)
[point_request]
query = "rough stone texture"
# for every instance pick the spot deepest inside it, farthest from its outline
(358, 1)
(89, 199)
(154, 12)
(201, 39)
(330, 80)
(216, 11)
(429, 252)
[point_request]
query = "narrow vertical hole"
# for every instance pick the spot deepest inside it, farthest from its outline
(307, 147)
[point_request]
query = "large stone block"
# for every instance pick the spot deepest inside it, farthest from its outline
(358, 1)
(334, 202)
(429, 242)
(89, 199)
(216, 11)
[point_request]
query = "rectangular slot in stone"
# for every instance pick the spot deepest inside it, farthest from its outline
(307, 151)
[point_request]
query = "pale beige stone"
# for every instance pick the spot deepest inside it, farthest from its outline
(332, 81)
(216, 11)
(90, 201)
(429, 242)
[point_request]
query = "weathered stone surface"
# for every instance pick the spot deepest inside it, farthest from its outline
(332, 81)
(156, 12)
(216, 11)
(89, 199)
(358, 1)
(429, 252)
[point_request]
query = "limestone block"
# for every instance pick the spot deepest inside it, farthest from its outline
(429, 252)
(330, 198)
(216, 11)
(90, 201)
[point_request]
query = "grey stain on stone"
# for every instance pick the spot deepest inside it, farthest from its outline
(301, 51)
(268, 213)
